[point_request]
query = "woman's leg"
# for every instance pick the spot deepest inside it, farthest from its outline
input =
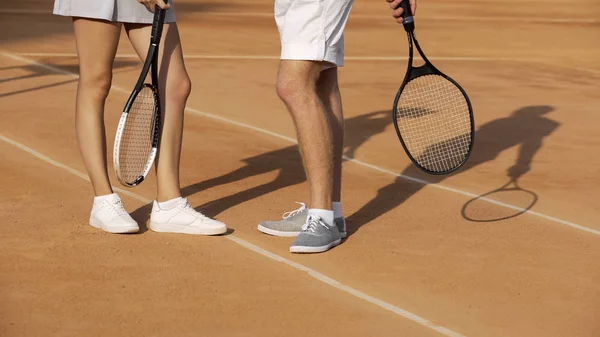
(97, 43)
(174, 87)
(171, 213)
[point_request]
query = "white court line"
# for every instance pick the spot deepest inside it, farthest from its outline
(356, 161)
(275, 57)
(356, 16)
(347, 58)
(311, 272)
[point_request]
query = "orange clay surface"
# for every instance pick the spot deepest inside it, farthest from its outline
(410, 248)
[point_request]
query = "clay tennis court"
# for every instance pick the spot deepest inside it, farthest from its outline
(413, 264)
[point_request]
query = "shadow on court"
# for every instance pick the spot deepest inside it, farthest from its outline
(526, 128)
(35, 71)
(287, 163)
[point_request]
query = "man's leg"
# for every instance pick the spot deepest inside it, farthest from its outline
(311, 35)
(329, 92)
(297, 87)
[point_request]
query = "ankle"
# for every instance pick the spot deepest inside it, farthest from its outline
(337, 209)
(169, 204)
(325, 215)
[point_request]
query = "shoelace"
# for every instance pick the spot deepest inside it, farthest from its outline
(118, 208)
(312, 222)
(188, 208)
(287, 215)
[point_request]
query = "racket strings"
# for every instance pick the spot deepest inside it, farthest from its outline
(435, 123)
(137, 139)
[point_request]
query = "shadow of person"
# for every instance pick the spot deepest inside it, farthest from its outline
(37, 70)
(141, 216)
(526, 128)
(359, 129)
(287, 163)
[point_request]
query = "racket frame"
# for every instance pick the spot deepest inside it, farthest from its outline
(426, 69)
(151, 64)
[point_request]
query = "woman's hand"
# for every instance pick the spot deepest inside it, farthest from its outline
(150, 4)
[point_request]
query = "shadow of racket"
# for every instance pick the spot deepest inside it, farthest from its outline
(506, 202)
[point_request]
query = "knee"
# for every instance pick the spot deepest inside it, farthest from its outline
(291, 90)
(96, 83)
(179, 89)
(297, 81)
(285, 90)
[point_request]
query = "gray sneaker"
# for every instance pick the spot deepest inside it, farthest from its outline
(316, 237)
(290, 225)
(341, 225)
(292, 222)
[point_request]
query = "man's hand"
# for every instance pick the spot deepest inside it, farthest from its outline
(397, 10)
(151, 3)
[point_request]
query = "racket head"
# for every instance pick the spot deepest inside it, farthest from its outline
(433, 117)
(500, 204)
(137, 137)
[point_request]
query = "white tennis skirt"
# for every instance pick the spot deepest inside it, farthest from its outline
(129, 11)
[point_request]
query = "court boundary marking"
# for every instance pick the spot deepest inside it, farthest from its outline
(544, 20)
(246, 244)
(347, 58)
(352, 160)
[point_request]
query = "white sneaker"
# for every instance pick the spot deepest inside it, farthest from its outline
(184, 219)
(110, 216)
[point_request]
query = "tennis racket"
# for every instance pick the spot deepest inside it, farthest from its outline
(511, 199)
(138, 133)
(432, 113)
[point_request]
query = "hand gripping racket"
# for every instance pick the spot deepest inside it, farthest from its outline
(432, 113)
(138, 133)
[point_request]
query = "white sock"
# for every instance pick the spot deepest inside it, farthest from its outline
(169, 204)
(109, 197)
(324, 214)
(337, 209)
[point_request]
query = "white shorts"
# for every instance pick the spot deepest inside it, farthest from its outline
(312, 30)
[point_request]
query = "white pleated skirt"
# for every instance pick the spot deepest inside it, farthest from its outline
(129, 11)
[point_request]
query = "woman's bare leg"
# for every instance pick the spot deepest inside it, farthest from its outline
(174, 87)
(97, 43)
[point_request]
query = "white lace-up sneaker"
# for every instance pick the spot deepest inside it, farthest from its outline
(184, 219)
(110, 216)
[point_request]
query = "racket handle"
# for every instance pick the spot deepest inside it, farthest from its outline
(407, 15)
(157, 25)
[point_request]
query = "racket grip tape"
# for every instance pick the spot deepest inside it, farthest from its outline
(157, 25)
(407, 15)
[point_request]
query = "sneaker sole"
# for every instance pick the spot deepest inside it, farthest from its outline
(308, 249)
(276, 232)
(162, 228)
(115, 230)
